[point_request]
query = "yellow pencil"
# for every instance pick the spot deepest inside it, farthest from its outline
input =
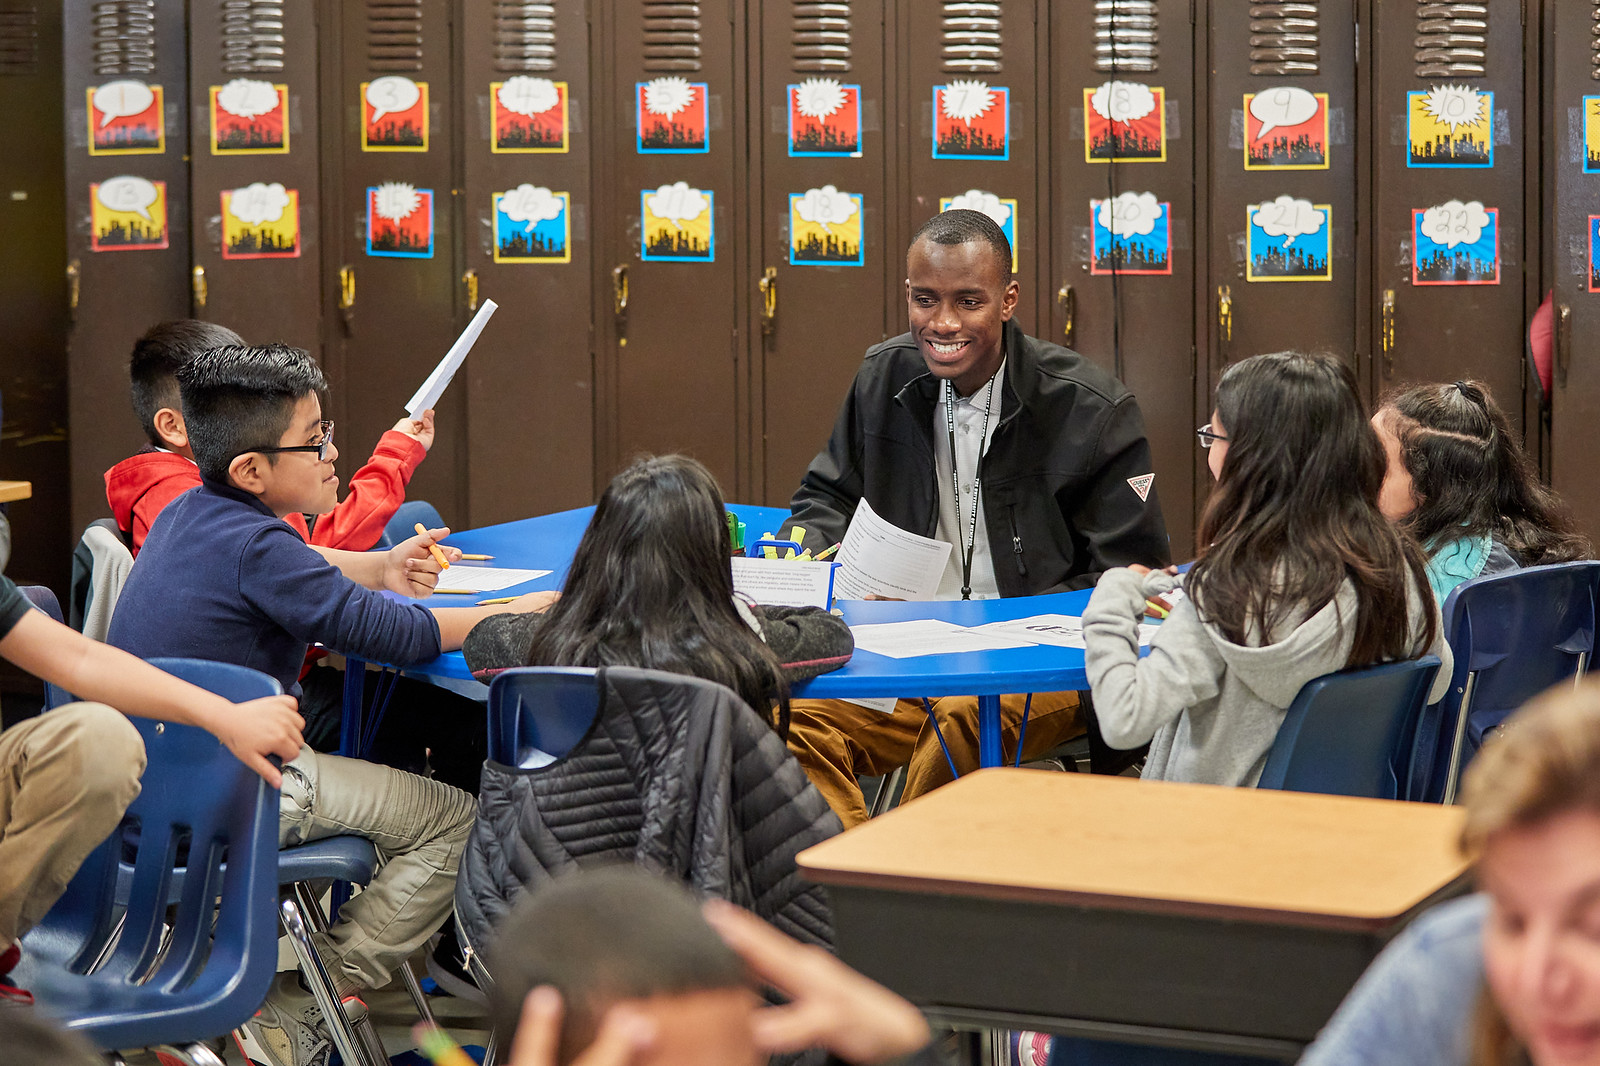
(436, 1044)
(479, 558)
(444, 564)
(502, 599)
(826, 552)
(458, 592)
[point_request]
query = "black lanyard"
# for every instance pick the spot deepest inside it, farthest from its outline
(966, 548)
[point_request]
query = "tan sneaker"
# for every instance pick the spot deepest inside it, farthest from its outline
(290, 1030)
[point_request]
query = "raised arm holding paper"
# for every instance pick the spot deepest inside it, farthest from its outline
(1026, 459)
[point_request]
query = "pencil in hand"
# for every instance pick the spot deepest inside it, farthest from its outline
(478, 558)
(444, 564)
(457, 592)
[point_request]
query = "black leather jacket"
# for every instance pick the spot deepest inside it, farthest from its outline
(1060, 496)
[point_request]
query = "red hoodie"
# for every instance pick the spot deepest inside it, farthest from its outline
(140, 486)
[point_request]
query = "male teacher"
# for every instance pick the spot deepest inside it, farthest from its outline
(1027, 458)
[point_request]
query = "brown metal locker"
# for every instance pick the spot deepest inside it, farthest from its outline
(671, 170)
(254, 168)
(391, 264)
(1573, 154)
(1447, 196)
(1122, 216)
(125, 76)
(824, 279)
(525, 146)
(1283, 259)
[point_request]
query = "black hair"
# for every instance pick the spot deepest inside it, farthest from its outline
(651, 586)
(156, 358)
(1294, 513)
(28, 1036)
(598, 936)
(238, 398)
(962, 226)
(1470, 476)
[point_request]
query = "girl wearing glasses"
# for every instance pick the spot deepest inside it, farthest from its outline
(1298, 575)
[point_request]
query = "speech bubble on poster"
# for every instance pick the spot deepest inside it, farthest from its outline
(527, 96)
(531, 204)
(985, 202)
(966, 99)
(1286, 105)
(667, 96)
(395, 200)
(825, 206)
(1130, 214)
(258, 202)
(1288, 217)
(122, 99)
(393, 93)
(677, 203)
(1122, 101)
(819, 97)
(1454, 105)
(1454, 222)
(127, 193)
(247, 98)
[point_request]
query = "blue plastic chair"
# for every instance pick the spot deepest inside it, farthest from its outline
(403, 526)
(178, 966)
(1352, 733)
(539, 713)
(1513, 636)
(44, 599)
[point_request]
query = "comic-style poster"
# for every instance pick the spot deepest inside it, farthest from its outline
(1450, 126)
(400, 220)
(674, 117)
(1594, 253)
(1125, 121)
(127, 213)
(678, 226)
(125, 118)
(1289, 240)
(261, 221)
(1456, 243)
(1591, 134)
(394, 115)
(249, 116)
(824, 118)
(1004, 213)
(528, 115)
(532, 224)
(1132, 235)
(1286, 129)
(826, 227)
(971, 120)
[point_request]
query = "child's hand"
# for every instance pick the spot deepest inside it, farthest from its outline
(623, 1037)
(533, 602)
(410, 568)
(263, 727)
(418, 429)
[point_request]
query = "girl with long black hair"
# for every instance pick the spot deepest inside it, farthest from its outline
(1298, 575)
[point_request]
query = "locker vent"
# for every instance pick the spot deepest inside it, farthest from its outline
(1125, 36)
(1595, 40)
(252, 36)
(821, 37)
(394, 36)
(972, 38)
(1285, 37)
(1452, 39)
(19, 39)
(671, 36)
(524, 36)
(124, 39)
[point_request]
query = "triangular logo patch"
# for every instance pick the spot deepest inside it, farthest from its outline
(1141, 485)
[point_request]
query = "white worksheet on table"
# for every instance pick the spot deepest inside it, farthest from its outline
(1058, 630)
(879, 558)
(928, 636)
(485, 578)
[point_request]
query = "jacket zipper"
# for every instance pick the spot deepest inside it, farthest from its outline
(1016, 540)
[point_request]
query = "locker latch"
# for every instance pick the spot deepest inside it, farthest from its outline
(470, 280)
(198, 286)
(1225, 312)
(769, 301)
(1386, 332)
(1069, 307)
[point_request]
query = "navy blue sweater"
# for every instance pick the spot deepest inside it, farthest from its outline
(222, 578)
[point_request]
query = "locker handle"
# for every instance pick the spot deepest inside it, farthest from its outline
(470, 280)
(1386, 333)
(619, 288)
(1069, 307)
(347, 287)
(197, 285)
(769, 301)
(1563, 329)
(74, 280)
(1225, 312)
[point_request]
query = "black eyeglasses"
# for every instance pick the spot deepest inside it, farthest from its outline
(1208, 438)
(321, 447)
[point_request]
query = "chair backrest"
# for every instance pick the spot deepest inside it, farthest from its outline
(44, 599)
(1513, 635)
(1352, 733)
(403, 525)
(539, 713)
(195, 797)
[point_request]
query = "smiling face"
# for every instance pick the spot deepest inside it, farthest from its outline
(1541, 944)
(959, 303)
(297, 482)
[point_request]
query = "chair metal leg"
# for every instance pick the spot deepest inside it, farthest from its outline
(489, 1050)
(1458, 742)
(418, 996)
(999, 1047)
(345, 1040)
(190, 1055)
(893, 782)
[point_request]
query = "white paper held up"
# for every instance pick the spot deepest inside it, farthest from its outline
(784, 582)
(880, 558)
(928, 636)
(439, 380)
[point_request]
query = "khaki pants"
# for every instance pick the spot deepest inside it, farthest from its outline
(838, 742)
(420, 828)
(66, 777)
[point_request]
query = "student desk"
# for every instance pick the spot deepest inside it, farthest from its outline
(548, 542)
(1182, 915)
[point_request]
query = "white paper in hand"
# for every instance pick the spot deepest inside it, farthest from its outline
(880, 558)
(439, 380)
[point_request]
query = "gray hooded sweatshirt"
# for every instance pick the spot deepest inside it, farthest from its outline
(1209, 708)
